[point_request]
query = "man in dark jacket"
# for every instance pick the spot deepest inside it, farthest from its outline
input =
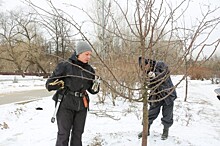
(162, 91)
(72, 79)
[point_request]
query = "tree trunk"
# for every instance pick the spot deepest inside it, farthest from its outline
(186, 79)
(145, 119)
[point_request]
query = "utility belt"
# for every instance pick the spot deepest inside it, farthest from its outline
(82, 95)
(76, 94)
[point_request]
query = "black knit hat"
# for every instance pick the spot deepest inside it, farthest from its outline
(146, 61)
(140, 60)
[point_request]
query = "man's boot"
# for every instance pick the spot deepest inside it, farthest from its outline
(165, 133)
(140, 134)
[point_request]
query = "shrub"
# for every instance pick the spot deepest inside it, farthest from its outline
(199, 73)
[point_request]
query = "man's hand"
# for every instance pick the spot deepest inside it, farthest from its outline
(55, 85)
(151, 74)
(218, 96)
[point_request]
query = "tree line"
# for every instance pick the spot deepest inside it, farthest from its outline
(35, 41)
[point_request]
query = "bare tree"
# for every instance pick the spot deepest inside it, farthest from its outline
(146, 26)
(9, 42)
(59, 35)
(31, 38)
(156, 31)
(22, 43)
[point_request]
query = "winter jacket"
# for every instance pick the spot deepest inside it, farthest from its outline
(77, 77)
(165, 83)
(162, 84)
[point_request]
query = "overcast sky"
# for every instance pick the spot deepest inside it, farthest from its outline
(194, 10)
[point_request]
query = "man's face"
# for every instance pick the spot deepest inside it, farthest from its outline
(146, 67)
(85, 56)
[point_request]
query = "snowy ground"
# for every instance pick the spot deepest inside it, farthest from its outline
(13, 83)
(196, 122)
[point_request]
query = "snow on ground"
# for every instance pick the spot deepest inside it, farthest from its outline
(196, 122)
(12, 83)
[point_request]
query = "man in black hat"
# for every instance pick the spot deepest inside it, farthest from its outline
(72, 79)
(161, 86)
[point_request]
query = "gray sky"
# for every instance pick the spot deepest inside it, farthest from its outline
(194, 11)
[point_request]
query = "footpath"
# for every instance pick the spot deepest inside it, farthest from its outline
(23, 96)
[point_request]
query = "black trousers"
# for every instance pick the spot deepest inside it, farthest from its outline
(70, 125)
(167, 113)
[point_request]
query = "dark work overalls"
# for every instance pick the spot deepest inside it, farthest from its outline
(164, 89)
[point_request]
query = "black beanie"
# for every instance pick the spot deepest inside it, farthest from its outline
(146, 61)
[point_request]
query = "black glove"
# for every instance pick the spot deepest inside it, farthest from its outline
(218, 96)
(57, 84)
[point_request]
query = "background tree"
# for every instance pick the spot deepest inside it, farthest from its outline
(11, 50)
(31, 40)
(58, 36)
(156, 30)
(157, 33)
